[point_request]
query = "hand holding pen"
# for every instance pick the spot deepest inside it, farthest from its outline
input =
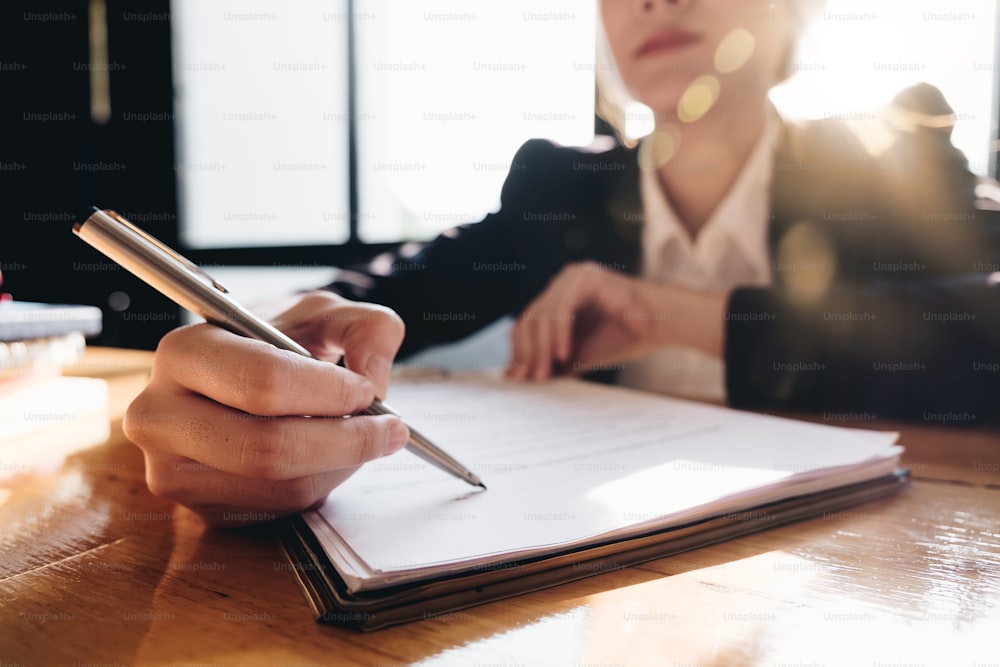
(220, 420)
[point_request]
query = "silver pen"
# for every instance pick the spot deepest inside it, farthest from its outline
(192, 288)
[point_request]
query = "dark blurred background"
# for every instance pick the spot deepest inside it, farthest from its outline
(60, 154)
(58, 159)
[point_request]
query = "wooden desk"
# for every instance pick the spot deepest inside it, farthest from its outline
(95, 570)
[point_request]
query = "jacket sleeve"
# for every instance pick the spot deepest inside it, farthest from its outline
(928, 350)
(473, 274)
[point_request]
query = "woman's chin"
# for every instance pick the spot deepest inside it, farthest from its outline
(663, 111)
(663, 101)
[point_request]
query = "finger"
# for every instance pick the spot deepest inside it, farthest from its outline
(256, 377)
(268, 448)
(520, 344)
(562, 329)
(541, 345)
(370, 336)
(532, 337)
(224, 499)
(566, 296)
(589, 291)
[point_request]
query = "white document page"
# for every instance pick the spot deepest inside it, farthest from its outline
(568, 462)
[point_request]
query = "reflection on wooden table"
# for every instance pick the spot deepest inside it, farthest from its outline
(94, 569)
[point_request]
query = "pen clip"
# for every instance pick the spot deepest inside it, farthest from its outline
(191, 266)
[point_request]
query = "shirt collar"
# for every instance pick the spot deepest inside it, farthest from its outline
(742, 216)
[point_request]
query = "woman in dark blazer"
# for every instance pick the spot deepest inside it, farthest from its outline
(828, 265)
(875, 263)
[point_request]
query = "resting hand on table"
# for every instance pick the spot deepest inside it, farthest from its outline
(220, 421)
(589, 317)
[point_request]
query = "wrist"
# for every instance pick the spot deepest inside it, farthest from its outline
(698, 321)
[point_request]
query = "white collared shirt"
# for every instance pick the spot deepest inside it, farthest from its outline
(729, 251)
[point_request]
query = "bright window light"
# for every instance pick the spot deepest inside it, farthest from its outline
(639, 120)
(447, 92)
(859, 54)
(262, 118)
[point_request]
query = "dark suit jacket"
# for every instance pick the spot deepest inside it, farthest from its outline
(881, 301)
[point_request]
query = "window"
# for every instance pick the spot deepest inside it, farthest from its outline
(445, 92)
(325, 122)
(859, 54)
(262, 122)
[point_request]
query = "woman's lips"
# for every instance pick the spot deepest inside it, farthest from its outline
(667, 41)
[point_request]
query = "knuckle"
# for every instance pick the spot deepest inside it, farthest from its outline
(263, 379)
(262, 449)
(175, 345)
(161, 480)
(345, 393)
(173, 341)
(366, 434)
(361, 320)
(390, 320)
(139, 421)
(297, 494)
(318, 299)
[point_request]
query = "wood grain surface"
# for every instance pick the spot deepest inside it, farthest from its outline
(96, 571)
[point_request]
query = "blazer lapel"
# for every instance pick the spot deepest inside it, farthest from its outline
(623, 210)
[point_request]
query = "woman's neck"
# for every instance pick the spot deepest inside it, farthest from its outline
(709, 157)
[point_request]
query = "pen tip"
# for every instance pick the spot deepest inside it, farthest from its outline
(481, 486)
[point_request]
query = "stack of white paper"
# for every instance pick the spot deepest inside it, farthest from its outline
(569, 463)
